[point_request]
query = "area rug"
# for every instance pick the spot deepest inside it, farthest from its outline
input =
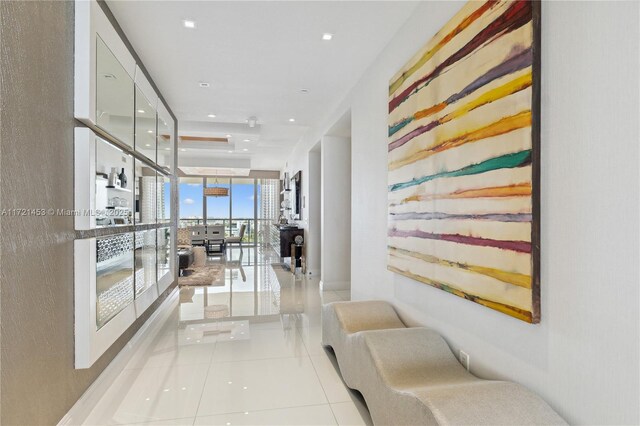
(210, 275)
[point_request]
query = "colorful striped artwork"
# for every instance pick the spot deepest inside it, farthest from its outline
(463, 159)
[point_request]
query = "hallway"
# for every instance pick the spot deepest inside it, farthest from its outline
(244, 352)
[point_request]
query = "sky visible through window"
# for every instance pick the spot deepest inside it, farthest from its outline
(217, 207)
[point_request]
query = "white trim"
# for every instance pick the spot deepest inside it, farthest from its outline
(166, 280)
(84, 282)
(84, 177)
(146, 299)
(86, 403)
(84, 63)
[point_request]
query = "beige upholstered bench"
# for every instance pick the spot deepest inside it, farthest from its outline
(409, 376)
(342, 319)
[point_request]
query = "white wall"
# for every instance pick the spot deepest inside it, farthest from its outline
(314, 212)
(336, 213)
(583, 356)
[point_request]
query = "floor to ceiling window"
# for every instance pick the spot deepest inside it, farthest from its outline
(251, 202)
(243, 208)
(268, 211)
(190, 202)
(218, 210)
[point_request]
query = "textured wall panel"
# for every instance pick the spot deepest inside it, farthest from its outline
(38, 381)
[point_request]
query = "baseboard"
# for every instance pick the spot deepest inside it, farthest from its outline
(83, 407)
(335, 285)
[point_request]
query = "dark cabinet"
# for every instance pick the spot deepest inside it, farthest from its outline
(286, 237)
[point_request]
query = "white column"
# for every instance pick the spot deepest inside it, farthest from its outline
(336, 213)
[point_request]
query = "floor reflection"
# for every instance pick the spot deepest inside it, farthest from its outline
(250, 289)
(245, 352)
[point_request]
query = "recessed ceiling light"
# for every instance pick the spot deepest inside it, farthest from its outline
(188, 23)
(327, 36)
(149, 131)
(141, 111)
(228, 136)
(247, 140)
(204, 84)
(229, 151)
(183, 150)
(147, 144)
(211, 116)
(245, 149)
(167, 149)
(292, 120)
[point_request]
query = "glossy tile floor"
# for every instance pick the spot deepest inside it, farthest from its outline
(245, 351)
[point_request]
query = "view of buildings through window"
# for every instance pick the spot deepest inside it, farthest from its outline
(250, 202)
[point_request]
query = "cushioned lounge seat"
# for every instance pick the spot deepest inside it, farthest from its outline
(341, 319)
(488, 402)
(412, 358)
(409, 376)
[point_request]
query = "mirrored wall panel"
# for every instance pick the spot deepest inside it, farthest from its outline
(114, 276)
(145, 260)
(145, 126)
(165, 139)
(114, 183)
(163, 198)
(114, 95)
(164, 251)
(145, 193)
(124, 163)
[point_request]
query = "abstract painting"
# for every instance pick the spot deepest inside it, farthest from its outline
(464, 159)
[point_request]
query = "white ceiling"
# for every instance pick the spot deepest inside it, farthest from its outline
(257, 56)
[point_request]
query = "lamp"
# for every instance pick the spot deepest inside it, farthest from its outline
(216, 191)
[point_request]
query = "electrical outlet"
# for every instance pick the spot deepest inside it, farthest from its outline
(464, 359)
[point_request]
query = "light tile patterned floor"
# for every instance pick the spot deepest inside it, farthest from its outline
(261, 363)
